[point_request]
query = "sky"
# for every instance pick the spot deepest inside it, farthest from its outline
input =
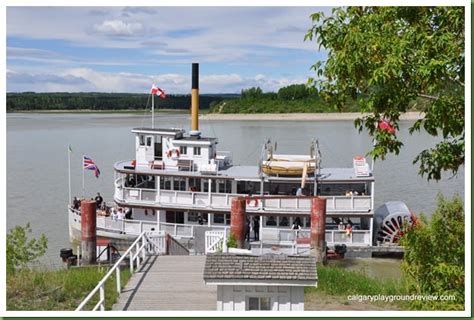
(126, 49)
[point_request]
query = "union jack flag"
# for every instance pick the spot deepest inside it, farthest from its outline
(88, 164)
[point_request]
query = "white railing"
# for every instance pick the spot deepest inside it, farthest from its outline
(133, 227)
(356, 237)
(178, 230)
(215, 241)
(136, 227)
(222, 201)
(147, 242)
(292, 235)
(287, 236)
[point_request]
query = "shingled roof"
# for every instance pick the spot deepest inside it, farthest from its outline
(265, 268)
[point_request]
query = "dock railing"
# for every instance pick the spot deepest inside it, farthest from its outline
(216, 241)
(147, 242)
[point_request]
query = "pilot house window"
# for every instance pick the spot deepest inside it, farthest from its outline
(183, 150)
(197, 151)
(149, 141)
(142, 139)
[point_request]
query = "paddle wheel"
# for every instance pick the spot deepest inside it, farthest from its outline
(390, 221)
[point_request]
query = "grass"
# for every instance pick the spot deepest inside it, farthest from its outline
(340, 283)
(59, 289)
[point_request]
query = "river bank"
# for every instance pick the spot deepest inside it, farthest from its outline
(333, 116)
(59, 290)
(91, 111)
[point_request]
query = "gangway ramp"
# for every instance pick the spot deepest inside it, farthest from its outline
(169, 283)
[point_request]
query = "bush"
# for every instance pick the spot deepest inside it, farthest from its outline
(434, 256)
(232, 241)
(21, 251)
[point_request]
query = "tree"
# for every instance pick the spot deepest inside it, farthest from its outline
(392, 59)
(21, 250)
(294, 92)
(434, 256)
(251, 93)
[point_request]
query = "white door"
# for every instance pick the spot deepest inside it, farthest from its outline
(141, 150)
(149, 148)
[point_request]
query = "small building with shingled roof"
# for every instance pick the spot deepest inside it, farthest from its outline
(267, 282)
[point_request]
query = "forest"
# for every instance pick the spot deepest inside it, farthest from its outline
(31, 101)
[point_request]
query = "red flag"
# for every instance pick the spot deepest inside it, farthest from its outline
(159, 92)
(386, 126)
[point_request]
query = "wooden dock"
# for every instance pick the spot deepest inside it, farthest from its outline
(169, 283)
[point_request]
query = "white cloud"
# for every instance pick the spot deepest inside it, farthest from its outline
(221, 29)
(119, 28)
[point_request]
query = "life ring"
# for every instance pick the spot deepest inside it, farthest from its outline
(170, 153)
(249, 199)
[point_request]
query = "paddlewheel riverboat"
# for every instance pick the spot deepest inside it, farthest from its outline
(181, 184)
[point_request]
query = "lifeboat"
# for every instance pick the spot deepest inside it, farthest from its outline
(289, 165)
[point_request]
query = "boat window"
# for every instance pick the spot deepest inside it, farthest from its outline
(149, 141)
(179, 184)
(142, 139)
(175, 217)
(193, 216)
(197, 151)
(194, 184)
(225, 186)
(284, 222)
(145, 182)
(218, 218)
(206, 186)
(165, 183)
(270, 221)
(183, 150)
(343, 189)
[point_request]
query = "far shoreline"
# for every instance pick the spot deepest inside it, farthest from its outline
(118, 111)
(332, 116)
(205, 116)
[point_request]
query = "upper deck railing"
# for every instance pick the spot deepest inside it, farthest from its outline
(220, 202)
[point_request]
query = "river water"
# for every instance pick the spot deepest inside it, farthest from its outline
(37, 160)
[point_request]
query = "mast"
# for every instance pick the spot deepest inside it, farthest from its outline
(152, 111)
(69, 172)
(83, 180)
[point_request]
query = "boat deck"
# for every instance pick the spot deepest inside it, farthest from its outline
(241, 172)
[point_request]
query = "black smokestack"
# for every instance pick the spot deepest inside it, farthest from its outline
(195, 79)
